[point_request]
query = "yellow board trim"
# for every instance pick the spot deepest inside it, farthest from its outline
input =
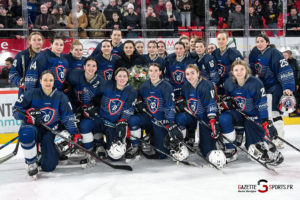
(291, 120)
(5, 137)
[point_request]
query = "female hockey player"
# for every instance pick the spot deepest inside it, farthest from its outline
(48, 106)
(157, 99)
(269, 65)
(22, 60)
(246, 99)
(48, 60)
(162, 49)
(206, 63)
(224, 57)
(152, 56)
(117, 105)
(106, 61)
(116, 41)
(75, 58)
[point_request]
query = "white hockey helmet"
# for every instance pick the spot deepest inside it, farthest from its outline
(217, 157)
(117, 150)
(180, 152)
(287, 104)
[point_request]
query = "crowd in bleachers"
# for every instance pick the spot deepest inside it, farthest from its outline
(160, 14)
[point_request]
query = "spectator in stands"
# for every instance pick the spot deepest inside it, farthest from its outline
(59, 4)
(97, 20)
(32, 12)
(198, 12)
(185, 7)
(288, 55)
(3, 3)
(5, 70)
(271, 14)
(211, 47)
(255, 22)
(236, 20)
(293, 22)
(159, 8)
(213, 23)
(5, 22)
(258, 8)
(82, 22)
(45, 22)
(116, 23)
(131, 21)
(62, 22)
(170, 19)
(290, 5)
(19, 25)
(14, 9)
(110, 9)
(162, 49)
(228, 8)
(152, 21)
(49, 5)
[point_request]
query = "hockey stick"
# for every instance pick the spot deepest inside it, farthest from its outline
(123, 167)
(12, 154)
(9, 142)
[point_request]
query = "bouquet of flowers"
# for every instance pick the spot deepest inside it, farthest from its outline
(137, 75)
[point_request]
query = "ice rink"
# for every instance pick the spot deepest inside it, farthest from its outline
(156, 179)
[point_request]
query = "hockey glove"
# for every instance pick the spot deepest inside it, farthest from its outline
(174, 132)
(21, 83)
(270, 129)
(215, 128)
(180, 104)
(89, 111)
(67, 87)
(139, 105)
(76, 137)
(34, 116)
(61, 144)
(228, 103)
(121, 129)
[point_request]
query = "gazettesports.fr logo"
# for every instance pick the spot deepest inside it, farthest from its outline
(262, 186)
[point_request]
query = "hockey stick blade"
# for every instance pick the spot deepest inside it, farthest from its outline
(9, 142)
(12, 154)
(123, 167)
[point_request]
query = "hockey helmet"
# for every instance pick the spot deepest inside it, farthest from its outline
(117, 150)
(180, 152)
(287, 104)
(217, 157)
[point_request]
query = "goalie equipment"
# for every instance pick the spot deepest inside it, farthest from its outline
(179, 152)
(287, 104)
(217, 157)
(117, 150)
(62, 145)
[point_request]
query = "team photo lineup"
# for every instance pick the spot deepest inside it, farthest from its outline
(119, 104)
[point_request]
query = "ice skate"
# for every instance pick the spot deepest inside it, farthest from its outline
(231, 155)
(88, 161)
(32, 170)
(101, 152)
(133, 153)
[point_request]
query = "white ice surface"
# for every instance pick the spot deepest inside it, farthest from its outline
(152, 179)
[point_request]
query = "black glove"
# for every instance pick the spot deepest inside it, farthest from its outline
(174, 132)
(139, 105)
(80, 29)
(62, 24)
(180, 104)
(34, 116)
(215, 127)
(121, 129)
(89, 111)
(270, 129)
(228, 103)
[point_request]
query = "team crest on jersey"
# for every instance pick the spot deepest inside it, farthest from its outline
(241, 102)
(178, 76)
(60, 71)
(153, 104)
(114, 106)
(108, 74)
(221, 70)
(258, 68)
(192, 105)
(48, 115)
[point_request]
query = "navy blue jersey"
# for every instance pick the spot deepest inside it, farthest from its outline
(117, 50)
(225, 60)
(83, 90)
(201, 100)
(55, 108)
(251, 97)
(105, 67)
(158, 99)
(271, 67)
(117, 104)
(175, 71)
(157, 59)
(19, 67)
(73, 62)
(46, 60)
(208, 67)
